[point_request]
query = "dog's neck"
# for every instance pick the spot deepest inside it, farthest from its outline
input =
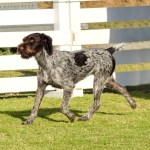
(41, 59)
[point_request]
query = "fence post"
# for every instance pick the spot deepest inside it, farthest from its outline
(62, 22)
(75, 27)
(67, 20)
(75, 22)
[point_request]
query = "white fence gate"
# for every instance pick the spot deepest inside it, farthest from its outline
(63, 23)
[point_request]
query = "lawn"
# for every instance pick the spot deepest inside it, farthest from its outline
(115, 126)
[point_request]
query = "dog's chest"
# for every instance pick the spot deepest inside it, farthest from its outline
(46, 77)
(50, 79)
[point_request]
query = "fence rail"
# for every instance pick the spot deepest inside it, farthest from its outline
(68, 35)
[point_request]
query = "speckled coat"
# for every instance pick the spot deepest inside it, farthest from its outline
(63, 69)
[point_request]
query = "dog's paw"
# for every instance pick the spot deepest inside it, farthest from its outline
(27, 122)
(71, 117)
(133, 105)
(83, 118)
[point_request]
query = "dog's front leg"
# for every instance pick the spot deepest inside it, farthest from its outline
(64, 106)
(38, 99)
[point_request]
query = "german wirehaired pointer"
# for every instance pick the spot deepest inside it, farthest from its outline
(63, 69)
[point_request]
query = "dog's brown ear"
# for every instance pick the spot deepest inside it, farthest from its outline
(47, 40)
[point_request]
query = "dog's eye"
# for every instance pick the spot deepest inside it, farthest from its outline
(32, 40)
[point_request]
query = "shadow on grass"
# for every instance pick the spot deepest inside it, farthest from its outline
(118, 114)
(42, 113)
(17, 95)
(46, 112)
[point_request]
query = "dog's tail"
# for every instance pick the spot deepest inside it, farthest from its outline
(115, 48)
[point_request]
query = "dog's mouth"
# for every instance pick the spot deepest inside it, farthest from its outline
(25, 56)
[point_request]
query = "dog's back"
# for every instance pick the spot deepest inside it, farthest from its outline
(77, 65)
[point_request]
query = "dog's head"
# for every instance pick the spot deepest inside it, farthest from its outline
(34, 43)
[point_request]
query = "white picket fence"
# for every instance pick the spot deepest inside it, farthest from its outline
(65, 19)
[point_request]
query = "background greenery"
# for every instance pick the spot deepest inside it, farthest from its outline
(8, 51)
(114, 126)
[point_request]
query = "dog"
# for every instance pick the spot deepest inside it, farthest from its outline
(63, 69)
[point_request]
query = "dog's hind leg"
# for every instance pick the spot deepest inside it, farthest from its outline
(113, 85)
(67, 93)
(97, 90)
(38, 99)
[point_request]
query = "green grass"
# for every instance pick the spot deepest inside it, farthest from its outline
(114, 127)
